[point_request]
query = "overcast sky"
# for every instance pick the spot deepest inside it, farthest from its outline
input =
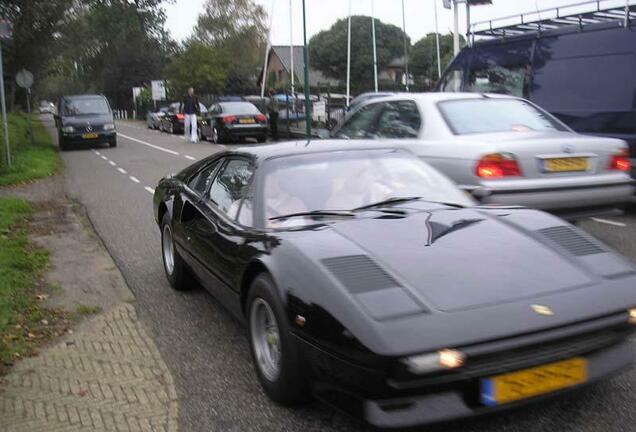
(321, 14)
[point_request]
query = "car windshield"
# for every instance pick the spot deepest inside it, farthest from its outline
(470, 116)
(239, 108)
(85, 106)
(349, 180)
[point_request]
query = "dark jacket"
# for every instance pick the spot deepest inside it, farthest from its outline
(190, 105)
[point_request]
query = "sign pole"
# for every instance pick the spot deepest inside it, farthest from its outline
(406, 52)
(28, 92)
(349, 55)
(439, 63)
(375, 53)
(306, 83)
(4, 112)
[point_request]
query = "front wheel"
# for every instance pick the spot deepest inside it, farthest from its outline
(113, 142)
(274, 349)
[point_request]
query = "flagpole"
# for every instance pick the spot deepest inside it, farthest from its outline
(375, 54)
(349, 55)
(291, 46)
(439, 62)
(406, 52)
(269, 44)
(308, 116)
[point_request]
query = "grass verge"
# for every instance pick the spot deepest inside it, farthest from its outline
(29, 161)
(24, 324)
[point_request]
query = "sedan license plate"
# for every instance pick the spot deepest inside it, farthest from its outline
(247, 121)
(566, 164)
(527, 383)
(89, 135)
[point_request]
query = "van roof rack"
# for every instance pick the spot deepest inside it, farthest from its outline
(579, 14)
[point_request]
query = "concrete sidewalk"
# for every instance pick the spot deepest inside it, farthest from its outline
(108, 376)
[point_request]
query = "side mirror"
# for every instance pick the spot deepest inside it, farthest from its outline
(477, 192)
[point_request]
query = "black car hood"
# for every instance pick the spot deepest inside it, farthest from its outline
(458, 259)
(85, 120)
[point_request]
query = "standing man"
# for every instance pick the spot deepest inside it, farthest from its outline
(190, 110)
(273, 114)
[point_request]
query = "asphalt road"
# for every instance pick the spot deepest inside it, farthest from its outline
(207, 351)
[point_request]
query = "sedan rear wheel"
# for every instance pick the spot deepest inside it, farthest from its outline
(215, 136)
(274, 349)
(176, 272)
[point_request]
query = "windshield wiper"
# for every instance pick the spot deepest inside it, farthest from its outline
(449, 204)
(345, 213)
(387, 201)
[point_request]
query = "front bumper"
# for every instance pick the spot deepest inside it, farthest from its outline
(78, 138)
(387, 398)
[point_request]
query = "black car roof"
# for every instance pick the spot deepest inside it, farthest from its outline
(290, 148)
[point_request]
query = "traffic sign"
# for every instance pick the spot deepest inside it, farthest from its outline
(158, 89)
(24, 78)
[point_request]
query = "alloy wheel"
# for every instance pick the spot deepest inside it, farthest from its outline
(266, 340)
(168, 249)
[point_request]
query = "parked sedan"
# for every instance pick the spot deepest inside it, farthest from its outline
(234, 121)
(506, 149)
(153, 119)
(173, 120)
(367, 279)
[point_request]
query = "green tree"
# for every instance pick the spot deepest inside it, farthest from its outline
(236, 26)
(423, 58)
(328, 50)
(201, 66)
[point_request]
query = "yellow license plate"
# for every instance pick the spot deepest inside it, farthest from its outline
(247, 121)
(89, 135)
(566, 164)
(527, 383)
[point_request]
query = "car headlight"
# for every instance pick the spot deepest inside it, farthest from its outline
(441, 360)
(109, 126)
(68, 129)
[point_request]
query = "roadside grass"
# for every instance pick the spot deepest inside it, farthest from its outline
(29, 161)
(24, 325)
(84, 310)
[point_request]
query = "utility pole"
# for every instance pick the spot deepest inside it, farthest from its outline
(5, 33)
(375, 54)
(406, 51)
(439, 62)
(291, 46)
(306, 83)
(269, 45)
(349, 55)
(455, 28)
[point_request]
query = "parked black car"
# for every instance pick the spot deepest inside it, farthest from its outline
(85, 120)
(369, 280)
(173, 121)
(580, 68)
(234, 121)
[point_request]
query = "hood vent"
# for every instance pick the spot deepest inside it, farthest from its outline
(571, 240)
(359, 274)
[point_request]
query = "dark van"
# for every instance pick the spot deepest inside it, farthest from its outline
(85, 120)
(581, 68)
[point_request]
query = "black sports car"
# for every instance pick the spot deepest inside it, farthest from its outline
(234, 121)
(368, 280)
(173, 120)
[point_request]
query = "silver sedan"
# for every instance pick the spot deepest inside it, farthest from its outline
(505, 150)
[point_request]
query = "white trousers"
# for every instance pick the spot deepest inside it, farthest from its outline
(190, 126)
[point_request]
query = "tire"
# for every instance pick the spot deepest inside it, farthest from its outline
(215, 136)
(261, 139)
(171, 129)
(286, 384)
(176, 272)
(199, 134)
(62, 143)
(113, 143)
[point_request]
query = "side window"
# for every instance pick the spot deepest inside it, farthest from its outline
(452, 81)
(200, 182)
(499, 79)
(231, 185)
(361, 122)
(400, 119)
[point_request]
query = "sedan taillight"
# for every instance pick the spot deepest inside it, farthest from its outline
(230, 119)
(180, 116)
(620, 161)
(261, 118)
(498, 165)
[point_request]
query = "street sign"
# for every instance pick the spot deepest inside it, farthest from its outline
(24, 78)
(320, 110)
(158, 89)
(6, 29)
(136, 92)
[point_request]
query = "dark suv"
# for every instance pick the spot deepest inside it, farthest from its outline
(85, 119)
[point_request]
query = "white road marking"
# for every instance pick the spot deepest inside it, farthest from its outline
(190, 157)
(104, 157)
(121, 170)
(156, 147)
(97, 153)
(112, 163)
(149, 189)
(135, 179)
(609, 222)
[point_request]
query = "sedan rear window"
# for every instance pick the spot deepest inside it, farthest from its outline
(240, 108)
(469, 116)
